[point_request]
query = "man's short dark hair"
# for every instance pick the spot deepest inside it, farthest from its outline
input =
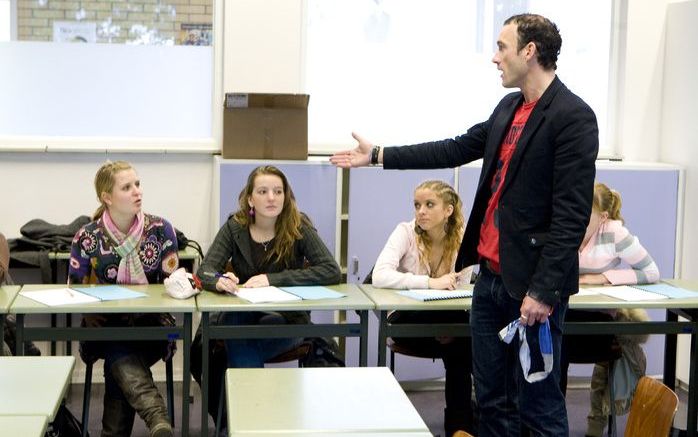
(541, 32)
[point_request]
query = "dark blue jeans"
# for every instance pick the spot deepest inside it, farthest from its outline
(253, 352)
(505, 399)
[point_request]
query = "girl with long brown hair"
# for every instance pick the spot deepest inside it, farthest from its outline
(268, 241)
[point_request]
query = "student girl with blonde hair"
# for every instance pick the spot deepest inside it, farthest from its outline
(609, 255)
(422, 253)
(124, 245)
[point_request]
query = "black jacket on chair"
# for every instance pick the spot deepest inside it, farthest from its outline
(547, 193)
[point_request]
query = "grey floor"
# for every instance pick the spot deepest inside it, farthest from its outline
(429, 403)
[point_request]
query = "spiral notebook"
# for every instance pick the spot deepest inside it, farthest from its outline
(426, 295)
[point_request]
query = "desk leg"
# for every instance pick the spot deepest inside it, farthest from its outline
(382, 337)
(186, 374)
(692, 413)
(19, 339)
(69, 343)
(204, 373)
(363, 339)
(54, 323)
(53, 263)
(670, 346)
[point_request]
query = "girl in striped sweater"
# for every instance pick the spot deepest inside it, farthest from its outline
(609, 255)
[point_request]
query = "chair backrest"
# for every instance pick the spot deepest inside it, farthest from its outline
(652, 410)
(296, 354)
(4, 260)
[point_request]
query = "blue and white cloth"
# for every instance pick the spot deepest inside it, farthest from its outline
(545, 341)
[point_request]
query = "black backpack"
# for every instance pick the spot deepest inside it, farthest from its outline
(65, 424)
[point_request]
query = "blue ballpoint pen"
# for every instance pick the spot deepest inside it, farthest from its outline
(215, 275)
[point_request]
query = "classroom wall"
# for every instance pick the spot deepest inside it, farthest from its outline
(58, 187)
(679, 132)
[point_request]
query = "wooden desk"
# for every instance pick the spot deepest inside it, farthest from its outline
(388, 300)
(33, 386)
(208, 302)
(25, 426)
(156, 301)
(324, 401)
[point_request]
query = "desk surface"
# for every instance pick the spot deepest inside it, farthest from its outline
(319, 400)
(7, 295)
(156, 301)
(33, 386)
(209, 301)
(25, 426)
(601, 301)
(389, 299)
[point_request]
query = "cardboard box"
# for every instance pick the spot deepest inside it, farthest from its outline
(265, 126)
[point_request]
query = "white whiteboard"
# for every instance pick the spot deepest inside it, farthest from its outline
(81, 91)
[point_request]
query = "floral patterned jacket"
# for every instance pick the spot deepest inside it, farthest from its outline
(93, 260)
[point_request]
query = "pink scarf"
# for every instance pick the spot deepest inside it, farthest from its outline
(130, 267)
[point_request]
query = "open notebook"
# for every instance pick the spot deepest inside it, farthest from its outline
(426, 295)
(286, 294)
(657, 291)
(80, 295)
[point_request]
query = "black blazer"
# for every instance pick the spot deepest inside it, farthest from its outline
(546, 197)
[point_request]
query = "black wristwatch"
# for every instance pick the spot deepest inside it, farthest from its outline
(374, 155)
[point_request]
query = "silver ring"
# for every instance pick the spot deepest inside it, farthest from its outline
(524, 317)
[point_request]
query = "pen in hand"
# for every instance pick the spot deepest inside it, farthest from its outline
(230, 283)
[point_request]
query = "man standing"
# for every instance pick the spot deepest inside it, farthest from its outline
(528, 219)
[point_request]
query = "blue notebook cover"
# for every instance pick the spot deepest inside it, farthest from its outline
(110, 292)
(313, 292)
(668, 290)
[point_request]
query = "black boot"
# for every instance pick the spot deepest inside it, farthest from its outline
(117, 418)
(136, 382)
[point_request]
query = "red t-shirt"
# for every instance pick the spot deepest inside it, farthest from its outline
(488, 248)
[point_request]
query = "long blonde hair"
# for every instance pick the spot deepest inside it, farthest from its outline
(104, 182)
(454, 226)
(607, 200)
(287, 228)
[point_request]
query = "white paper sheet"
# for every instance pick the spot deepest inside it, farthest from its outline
(628, 293)
(59, 296)
(265, 294)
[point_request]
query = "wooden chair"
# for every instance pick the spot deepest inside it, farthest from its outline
(652, 410)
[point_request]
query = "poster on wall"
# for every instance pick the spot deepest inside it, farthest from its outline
(74, 31)
(196, 34)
